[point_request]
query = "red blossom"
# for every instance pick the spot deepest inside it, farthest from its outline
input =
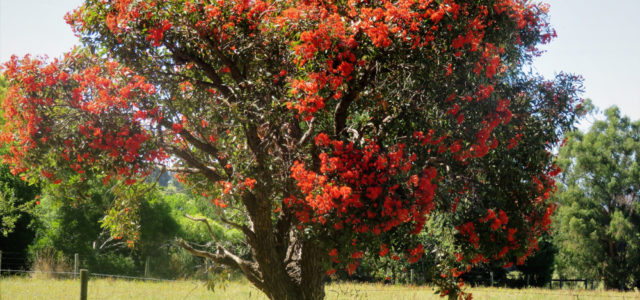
(383, 250)
(249, 182)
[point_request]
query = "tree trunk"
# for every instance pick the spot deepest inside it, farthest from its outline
(302, 278)
(297, 275)
(313, 273)
(283, 265)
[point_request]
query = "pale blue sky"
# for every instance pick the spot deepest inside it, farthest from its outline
(598, 40)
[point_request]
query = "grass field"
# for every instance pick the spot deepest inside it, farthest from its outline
(17, 288)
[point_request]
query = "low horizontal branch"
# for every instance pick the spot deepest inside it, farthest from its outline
(225, 257)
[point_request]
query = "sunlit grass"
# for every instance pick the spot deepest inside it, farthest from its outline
(34, 288)
(403, 292)
(31, 288)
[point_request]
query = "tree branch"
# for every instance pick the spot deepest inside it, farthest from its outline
(247, 232)
(307, 134)
(235, 73)
(210, 173)
(183, 170)
(253, 141)
(206, 222)
(224, 257)
(206, 147)
(211, 73)
(340, 113)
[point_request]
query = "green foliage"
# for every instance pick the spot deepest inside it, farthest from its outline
(596, 227)
(15, 195)
(540, 266)
(77, 225)
(17, 201)
(82, 221)
(180, 262)
(185, 204)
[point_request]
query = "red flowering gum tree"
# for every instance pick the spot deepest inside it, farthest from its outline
(324, 130)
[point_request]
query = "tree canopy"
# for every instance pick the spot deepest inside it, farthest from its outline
(597, 223)
(324, 131)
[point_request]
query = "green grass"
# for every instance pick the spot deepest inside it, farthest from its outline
(32, 288)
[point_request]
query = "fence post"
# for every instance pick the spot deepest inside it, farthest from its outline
(146, 268)
(84, 282)
(411, 272)
(75, 265)
(491, 273)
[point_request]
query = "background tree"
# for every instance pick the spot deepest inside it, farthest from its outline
(69, 223)
(596, 227)
(322, 131)
(17, 203)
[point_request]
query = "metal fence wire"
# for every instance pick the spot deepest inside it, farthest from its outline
(9, 261)
(20, 263)
(337, 291)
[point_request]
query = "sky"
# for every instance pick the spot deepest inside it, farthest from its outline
(600, 42)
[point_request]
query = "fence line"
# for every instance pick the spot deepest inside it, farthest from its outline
(130, 277)
(13, 259)
(339, 291)
(34, 272)
(91, 274)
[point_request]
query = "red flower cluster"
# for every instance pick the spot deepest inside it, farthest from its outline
(157, 33)
(499, 221)
(353, 186)
(96, 91)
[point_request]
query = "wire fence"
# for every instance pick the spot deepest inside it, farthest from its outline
(74, 274)
(340, 291)
(12, 263)
(355, 291)
(11, 271)
(130, 277)
(30, 284)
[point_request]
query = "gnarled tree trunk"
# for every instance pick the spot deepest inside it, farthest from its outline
(283, 266)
